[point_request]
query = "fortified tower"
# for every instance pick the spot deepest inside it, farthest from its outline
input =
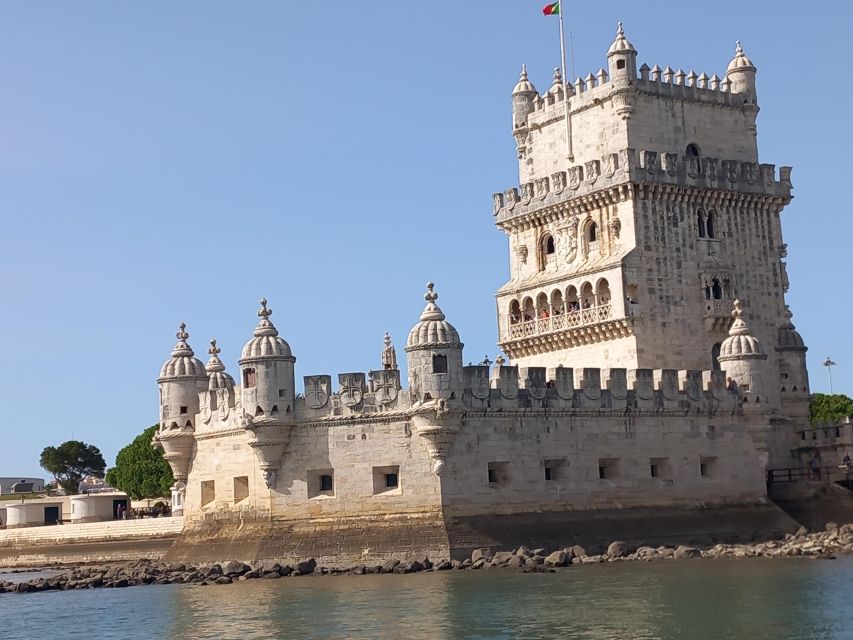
(631, 252)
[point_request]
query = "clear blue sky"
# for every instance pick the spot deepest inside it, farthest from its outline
(166, 161)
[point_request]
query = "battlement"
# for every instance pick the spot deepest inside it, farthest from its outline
(640, 166)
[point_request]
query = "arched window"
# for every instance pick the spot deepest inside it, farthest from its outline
(546, 250)
(715, 355)
(572, 299)
(700, 219)
(543, 309)
(727, 289)
(592, 232)
(548, 245)
(716, 289)
(692, 150)
(586, 295)
(528, 312)
(514, 312)
(557, 302)
(711, 224)
(602, 293)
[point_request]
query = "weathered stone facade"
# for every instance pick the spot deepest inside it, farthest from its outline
(629, 255)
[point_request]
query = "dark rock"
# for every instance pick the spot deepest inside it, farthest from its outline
(359, 570)
(389, 566)
(272, 575)
(121, 583)
(414, 567)
(306, 566)
(214, 570)
(444, 565)
(285, 571)
(427, 564)
(222, 580)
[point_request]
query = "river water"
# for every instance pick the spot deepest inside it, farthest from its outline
(688, 600)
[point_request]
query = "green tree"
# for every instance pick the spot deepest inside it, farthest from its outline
(72, 461)
(829, 409)
(140, 470)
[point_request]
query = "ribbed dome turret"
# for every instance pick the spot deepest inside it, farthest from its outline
(266, 342)
(216, 375)
(740, 344)
(433, 330)
(182, 364)
(789, 338)
(740, 61)
(524, 85)
(621, 43)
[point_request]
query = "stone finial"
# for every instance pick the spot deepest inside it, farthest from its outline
(620, 44)
(389, 354)
(558, 76)
(265, 326)
(214, 364)
(431, 310)
(740, 343)
(524, 85)
(740, 61)
(182, 348)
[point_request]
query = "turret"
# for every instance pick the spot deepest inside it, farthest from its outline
(523, 97)
(793, 374)
(744, 361)
(181, 379)
(266, 369)
(434, 355)
(622, 59)
(219, 395)
(741, 75)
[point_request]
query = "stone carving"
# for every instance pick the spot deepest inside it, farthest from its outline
(269, 478)
(534, 382)
(223, 403)
(510, 198)
(611, 163)
(564, 383)
(786, 284)
(730, 170)
(670, 163)
(206, 413)
(526, 192)
(497, 202)
(386, 385)
(617, 384)
(478, 381)
(351, 388)
(541, 187)
(575, 177)
(710, 167)
(558, 181)
(592, 170)
(317, 391)
(650, 161)
(522, 253)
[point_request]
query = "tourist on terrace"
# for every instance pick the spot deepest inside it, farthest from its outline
(846, 461)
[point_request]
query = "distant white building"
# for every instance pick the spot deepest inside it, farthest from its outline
(7, 484)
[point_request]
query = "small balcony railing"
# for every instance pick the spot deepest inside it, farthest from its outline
(560, 321)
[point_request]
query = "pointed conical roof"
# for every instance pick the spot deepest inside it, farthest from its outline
(182, 364)
(433, 330)
(740, 344)
(266, 342)
(740, 61)
(216, 375)
(621, 43)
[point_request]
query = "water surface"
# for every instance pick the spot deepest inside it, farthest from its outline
(690, 600)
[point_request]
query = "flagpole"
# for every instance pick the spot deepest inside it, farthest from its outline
(565, 87)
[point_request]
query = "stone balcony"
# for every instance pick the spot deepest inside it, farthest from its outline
(718, 315)
(565, 330)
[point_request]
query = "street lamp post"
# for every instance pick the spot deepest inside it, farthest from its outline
(829, 364)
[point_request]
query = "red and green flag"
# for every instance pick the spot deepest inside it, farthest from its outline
(552, 9)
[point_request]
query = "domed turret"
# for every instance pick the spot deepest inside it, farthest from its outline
(744, 359)
(523, 96)
(794, 376)
(622, 59)
(741, 74)
(181, 379)
(434, 353)
(266, 365)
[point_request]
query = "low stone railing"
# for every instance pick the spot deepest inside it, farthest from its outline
(92, 531)
(559, 322)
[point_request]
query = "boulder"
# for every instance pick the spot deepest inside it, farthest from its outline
(801, 532)
(540, 552)
(306, 566)
(831, 527)
(685, 553)
(484, 553)
(524, 552)
(617, 549)
(536, 560)
(222, 580)
(427, 564)
(444, 565)
(389, 566)
(516, 562)
(235, 568)
(501, 558)
(556, 559)
(413, 567)
(578, 551)
(285, 571)
(479, 564)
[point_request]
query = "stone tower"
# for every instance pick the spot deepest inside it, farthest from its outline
(632, 253)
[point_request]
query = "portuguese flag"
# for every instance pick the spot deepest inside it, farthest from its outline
(552, 9)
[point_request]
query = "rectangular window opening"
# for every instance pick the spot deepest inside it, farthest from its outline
(250, 379)
(660, 468)
(386, 480)
(184, 411)
(321, 482)
(707, 466)
(555, 469)
(608, 468)
(241, 488)
(498, 474)
(208, 492)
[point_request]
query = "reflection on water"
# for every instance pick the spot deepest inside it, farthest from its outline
(749, 599)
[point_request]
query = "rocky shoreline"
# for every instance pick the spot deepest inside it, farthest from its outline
(825, 544)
